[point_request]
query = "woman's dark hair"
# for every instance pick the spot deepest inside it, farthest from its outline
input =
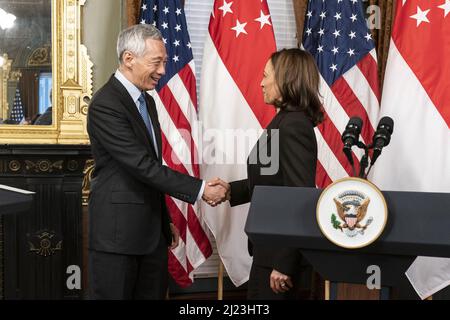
(297, 78)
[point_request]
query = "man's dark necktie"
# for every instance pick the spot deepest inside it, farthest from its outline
(146, 117)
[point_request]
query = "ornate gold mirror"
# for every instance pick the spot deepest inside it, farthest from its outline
(45, 72)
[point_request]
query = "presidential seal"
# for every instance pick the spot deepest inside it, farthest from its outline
(352, 213)
(352, 208)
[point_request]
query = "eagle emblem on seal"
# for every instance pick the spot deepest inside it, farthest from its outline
(352, 210)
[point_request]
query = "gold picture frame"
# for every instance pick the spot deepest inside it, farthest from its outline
(72, 84)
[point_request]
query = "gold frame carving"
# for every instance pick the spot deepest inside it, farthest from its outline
(72, 84)
(5, 71)
(40, 57)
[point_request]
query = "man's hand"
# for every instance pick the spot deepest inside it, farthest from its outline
(280, 282)
(225, 185)
(175, 237)
(216, 192)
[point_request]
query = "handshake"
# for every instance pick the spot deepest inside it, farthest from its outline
(216, 191)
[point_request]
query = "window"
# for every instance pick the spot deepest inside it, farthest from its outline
(45, 89)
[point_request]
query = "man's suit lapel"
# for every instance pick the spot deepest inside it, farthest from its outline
(131, 106)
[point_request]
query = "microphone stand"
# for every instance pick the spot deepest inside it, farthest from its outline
(364, 163)
(348, 154)
(353, 166)
(353, 170)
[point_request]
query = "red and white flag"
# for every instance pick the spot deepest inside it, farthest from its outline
(238, 45)
(417, 96)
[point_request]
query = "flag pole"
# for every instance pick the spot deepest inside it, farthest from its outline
(220, 281)
(327, 290)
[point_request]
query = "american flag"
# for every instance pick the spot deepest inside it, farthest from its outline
(336, 34)
(17, 110)
(176, 101)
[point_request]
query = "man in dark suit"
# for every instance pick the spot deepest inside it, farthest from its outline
(46, 117)
(130, 228)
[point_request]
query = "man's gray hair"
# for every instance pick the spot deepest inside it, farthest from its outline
(133, 39)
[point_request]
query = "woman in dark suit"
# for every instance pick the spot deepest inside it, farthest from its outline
(291, 84)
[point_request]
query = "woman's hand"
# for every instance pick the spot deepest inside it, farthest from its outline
(280, 282)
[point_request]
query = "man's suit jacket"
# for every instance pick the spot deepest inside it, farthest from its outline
(297, 168)
(45, 118)
(127, 211)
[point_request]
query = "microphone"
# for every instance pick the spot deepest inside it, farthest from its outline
(350, 136)
(382, 137)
